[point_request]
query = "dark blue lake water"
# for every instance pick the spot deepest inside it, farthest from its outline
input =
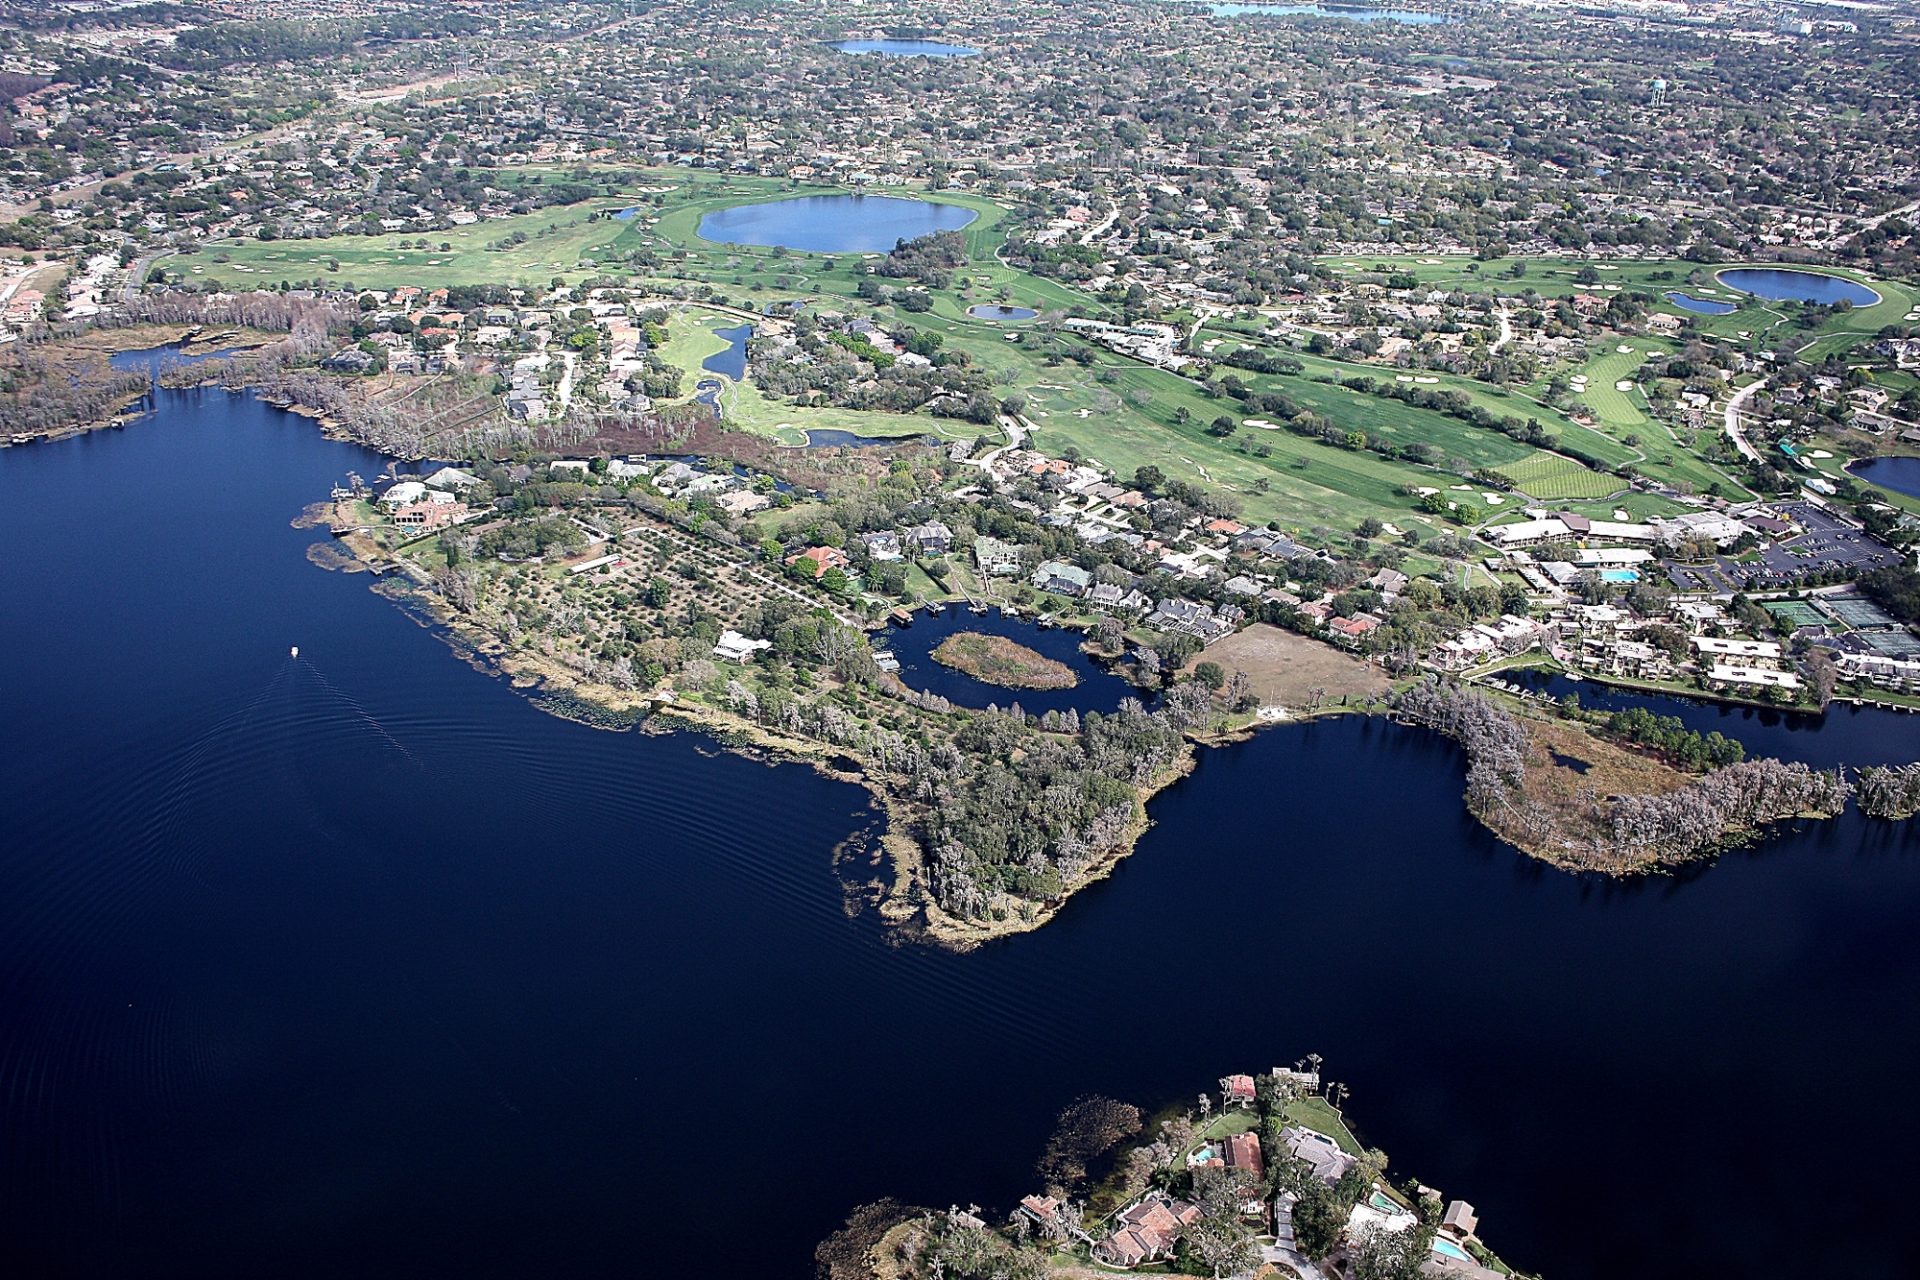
(905, 48)
(1845, 734)
(1900, 474)
(361, 963)
(733, 361)
(835, 438)
(1784, 285)
(1098, 690)
(833, 224)
(1701, 306)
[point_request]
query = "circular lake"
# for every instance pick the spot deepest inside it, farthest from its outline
(1781, 284)
(992, 311)
(833, 224)
(1701, 306)
(905, 48)
(1900, 474)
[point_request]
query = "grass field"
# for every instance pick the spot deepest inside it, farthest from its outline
(1549, 477)
(1757, 320)
(1114, 410)
(691, 338)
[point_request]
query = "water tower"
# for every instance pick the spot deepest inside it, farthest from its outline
(1657, 94)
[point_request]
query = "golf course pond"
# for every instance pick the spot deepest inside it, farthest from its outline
(1900, 473)
(832, 224)
(994, 311)
(1782, 284)
(1701, 306)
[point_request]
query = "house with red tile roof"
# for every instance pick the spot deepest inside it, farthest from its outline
(820, 558)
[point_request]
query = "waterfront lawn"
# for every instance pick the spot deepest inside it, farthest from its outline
(1317, 1114)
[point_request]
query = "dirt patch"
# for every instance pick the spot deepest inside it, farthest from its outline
(1289, 670)
(1570, 771)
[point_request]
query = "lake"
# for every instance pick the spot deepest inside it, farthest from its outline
(835, 438)
(905, 48)
(732, 362)
(994, 311)
(1846, 734)
(1701, 306)
(1098, 690)
(833, 224)
(1408, 17)
(361, 956)
(1779, 284)
(1900, 473)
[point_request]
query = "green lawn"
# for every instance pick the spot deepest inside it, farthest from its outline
(692, 337)
(1550, 477)
(565, 240)
(1554, 278)
(1317, 1113)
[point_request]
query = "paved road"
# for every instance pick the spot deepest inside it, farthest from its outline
(1506, 328)
(1735, 404)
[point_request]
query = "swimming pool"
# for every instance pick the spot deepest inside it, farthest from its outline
(1450, 1249)
(1619, 575)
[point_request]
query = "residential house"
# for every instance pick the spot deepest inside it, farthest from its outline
(820, 559)
(1063, 579)
(996, 559)
(930, 539)
(734, 647)
(742, 502)
(1147, 1232)
(1323, 1156)
(883, 545)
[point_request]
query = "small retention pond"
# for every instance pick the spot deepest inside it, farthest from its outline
(835, 438)
(993, 311)
(1098, 690)
(1781, 284)
(731, 363)
(833, 224)
(1701, 306)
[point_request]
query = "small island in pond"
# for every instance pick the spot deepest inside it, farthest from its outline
(998, 660)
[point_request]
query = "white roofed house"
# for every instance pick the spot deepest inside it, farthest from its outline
(734, 647)
(403, 493)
